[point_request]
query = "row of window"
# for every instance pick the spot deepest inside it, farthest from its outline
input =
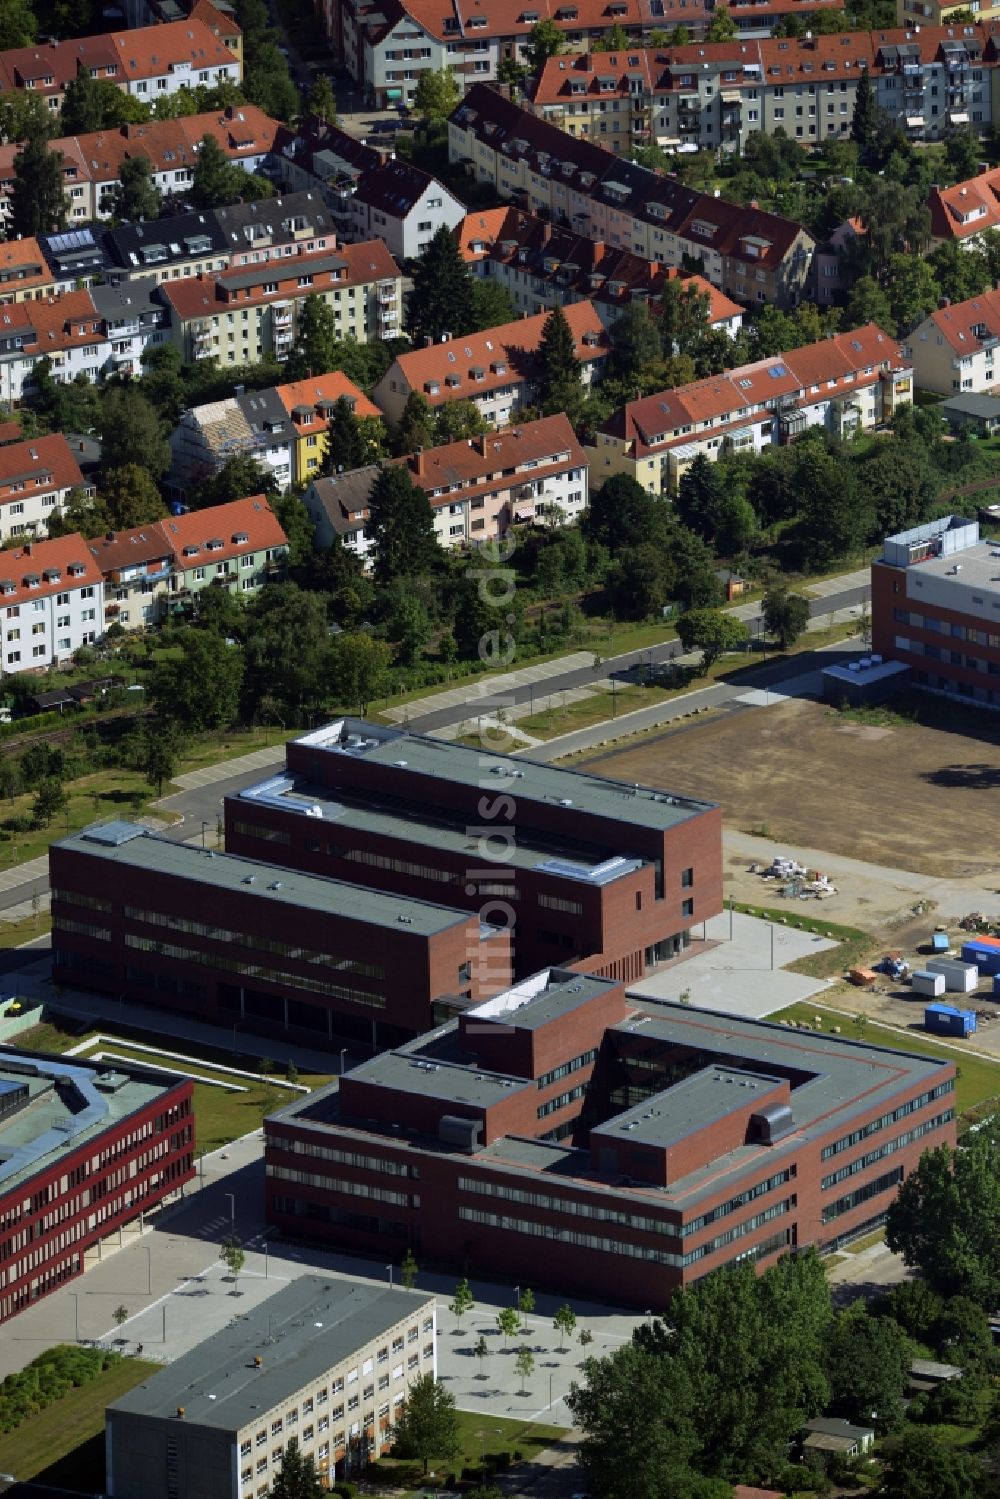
(245, 970)
(345, 1188)
(846, 1142)
(583, 1060)
(267, 944)
(862, 1194)
(890, 1148)
(343, 1157)
(560, 1102)
(943, 627)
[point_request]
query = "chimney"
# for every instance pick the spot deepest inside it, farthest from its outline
(418, 462)
(944, 302)
(479, 443)
(446, 337)
(981, 167)
(428, 340)
(27, 548)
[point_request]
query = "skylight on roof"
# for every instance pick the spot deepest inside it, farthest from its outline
(777, 370)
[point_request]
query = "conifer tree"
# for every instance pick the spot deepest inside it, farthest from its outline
(441, 300)
(560, 386)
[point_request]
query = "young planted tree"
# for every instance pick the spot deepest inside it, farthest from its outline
(462, 1302)
(586, 1337)
(161, 752)
(50, 800)
(564, 1322)
(233, 1256)
(526, 1304)
(428, 1426)
(785, 615)
(481, 1351)
(508, 1322)
(121, 1315)
(525, 1366)
(408, 1271)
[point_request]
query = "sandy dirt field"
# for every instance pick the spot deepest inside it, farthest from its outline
(906, 796)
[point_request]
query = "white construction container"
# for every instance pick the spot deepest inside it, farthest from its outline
(931, 984)
(959, 977)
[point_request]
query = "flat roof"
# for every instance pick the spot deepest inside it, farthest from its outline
(302, 1331)
(876, 673)
(407, 1071)
(70, 1101)
(643, 806)
(541, 998)
(431, 828)
(689, 1105)
(135, 847)
(979, 567)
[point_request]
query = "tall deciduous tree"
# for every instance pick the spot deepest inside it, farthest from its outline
(401, 526)
(314, 349)
(38, 204)
(559, 372)
(135, 195)
(545, 40)
(359, 670)
(867, 1362)
(352, 442)
(92, 103)
(492, 305)
(864, 121)
(18, 27)
(635, 344)
(416, 425)
(441, 300)
(212, 182)
(722, 27)
(684, 317)
(201, 688)
(712, 632)
(131, 433)
(131, 497)
(921, 1467)
(436, 94)
(238, 477)
(428, 1426)
(622, 514)
(286, 649)
(785, 615)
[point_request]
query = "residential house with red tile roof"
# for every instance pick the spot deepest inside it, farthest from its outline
(954, 349)
(24, 274)
(153, 570)
(960, 214)
(310, 404)
(241, 315)
(496, 370)
(51, 602)
(387, 46)
(477, 488)
(91, 164)
(541, 265)
(752, 256)
(150, 62)
(67, 329)
(36, 476)
(850, 382)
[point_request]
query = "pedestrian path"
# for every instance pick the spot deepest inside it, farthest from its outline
(194, 780)
(22, 874)
(862, 578)
(488, 689)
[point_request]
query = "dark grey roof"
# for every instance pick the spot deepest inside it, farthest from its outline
(341, 495)
(129, 300)
(243, 224)
(82, 249)
(163, 241)
(257, 275)
(986, 408)
(299, 1334)
(262, 407)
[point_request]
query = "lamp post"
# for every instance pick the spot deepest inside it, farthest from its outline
(389, 1268)
(76, 1315)
(343, 1055)
(149, 1270)
(232, 1206)
(204, 825)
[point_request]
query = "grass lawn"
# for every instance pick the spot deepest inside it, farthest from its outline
(978, 1080)
(805, 916)
(64, 1445)
(14, 933)
(501, 1435)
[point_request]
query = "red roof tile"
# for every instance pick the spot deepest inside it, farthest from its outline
(331, 387)
(252, 518)
(35, 559)
(49, 459)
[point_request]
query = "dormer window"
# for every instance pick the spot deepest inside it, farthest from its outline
(240, 538)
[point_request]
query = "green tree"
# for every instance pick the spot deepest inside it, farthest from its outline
(428, 1426)
(685, 311)
(616, 39)
(160, 753)
(401, 526)
(408, 1271)
(416, 425)
(162, 384)
(545, 40)
(867, 1362)
(50, 801)
(287, 650)
(135, 195)
(526, 1304)
(639, 581)
(834, 519)
(201, 688)
(38, 204)
(321, 101)
(131, 497)
(359, 670)
(958, 274)
(722, 27)
(212, 182)
(267, 81)
(945, 1221)
(921, 1467)
(622, 514)
(785, 614)
(456, 421)
(508, 1322)
(864, 121)
(233, 1256)
(913, 292)
(482, 1351)
(635, 344)
(131, 433)
(441, 300)
(350, 443)
(462, 1302)
(437, 94)
(700, 497)
(558, 370)
(297, 1477)
(491, 305)
(238, 477)
(524, 1364)
(712, 632)
(315, 340)
(18, 27)
(121, 1315)
(868, 303)
(92, 103)
(564, 1322)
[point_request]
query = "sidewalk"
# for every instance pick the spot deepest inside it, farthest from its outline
(224, 770)
(483, 690)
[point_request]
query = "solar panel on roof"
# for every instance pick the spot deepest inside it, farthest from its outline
(74, 239)
(776, 371)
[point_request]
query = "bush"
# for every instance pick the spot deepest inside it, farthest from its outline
(46, 1379)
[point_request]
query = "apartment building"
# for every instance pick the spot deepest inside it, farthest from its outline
(51, 602)
(614, 1131)
(284, 428)
(37, 477)
(85, 1148)
(153, 570)
(541, 265)
(715, 95)
(848, 383)
(752, 256)
(477, 488)
(92, 164)
(940, 12)
(960, 214)
(150, 63)
(610, 874)
(24, 274)
(244, 314)
(954, 348)
(936, 608)
(330, 1362)
(305, 957)
(496, 370)
(387, 48)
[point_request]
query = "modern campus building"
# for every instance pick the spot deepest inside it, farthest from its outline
(242, 943)
(326, 1363)
(936, 607)
(561, 1117)
(578, 867)
(84, 1149)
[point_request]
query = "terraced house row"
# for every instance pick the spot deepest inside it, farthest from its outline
(386, 47)
(753, 256)
(928, 80)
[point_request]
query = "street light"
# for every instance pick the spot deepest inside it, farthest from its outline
(76, 1314)
(232, 1206)
(204, 825)
(389, 1268)
(343, 1055)
(149, 1269)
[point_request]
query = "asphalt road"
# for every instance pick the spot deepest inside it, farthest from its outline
(614, 666)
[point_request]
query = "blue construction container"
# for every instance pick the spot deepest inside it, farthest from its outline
(940, 942)
(985, 954)
(946, 1020)
(996, 985)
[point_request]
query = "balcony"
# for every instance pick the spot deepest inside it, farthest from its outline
(281, 313)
